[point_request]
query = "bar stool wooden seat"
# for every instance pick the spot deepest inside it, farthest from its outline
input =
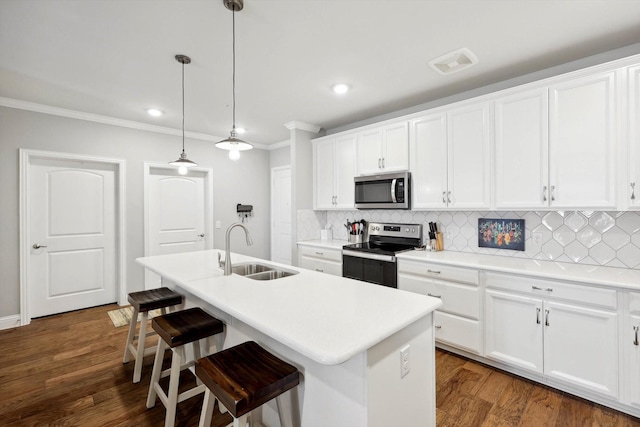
(176, 330)
(244, 378)
(143, 302)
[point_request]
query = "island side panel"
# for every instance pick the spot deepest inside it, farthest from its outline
(328, 395)
(393, 400)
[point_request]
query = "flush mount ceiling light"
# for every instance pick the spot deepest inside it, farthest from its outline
(340, 88)
(454, 61)
(154, 112)
(233, 143)
(183, 163)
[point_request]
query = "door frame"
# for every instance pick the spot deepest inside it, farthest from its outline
(272, 228)
(26, 158)
(208, 204)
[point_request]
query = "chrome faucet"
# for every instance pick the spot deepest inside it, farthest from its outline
(227, 254)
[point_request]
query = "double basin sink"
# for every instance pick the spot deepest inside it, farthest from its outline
(257, 271)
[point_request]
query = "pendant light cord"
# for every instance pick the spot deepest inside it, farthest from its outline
(233, 79)
(183, 106)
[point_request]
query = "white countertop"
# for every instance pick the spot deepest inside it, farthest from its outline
(326, 318)
(590, 274)
(331, 244)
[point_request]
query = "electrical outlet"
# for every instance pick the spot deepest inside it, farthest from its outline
(218, 224)
(405, 361)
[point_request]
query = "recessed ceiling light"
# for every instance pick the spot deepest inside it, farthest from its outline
(154, 112)
(340, 88)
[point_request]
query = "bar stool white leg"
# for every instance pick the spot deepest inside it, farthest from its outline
(156, 373)
(207, 409)
(285, 409)
(174, 380)
(240, 422)
(130, 336)
(142, 337)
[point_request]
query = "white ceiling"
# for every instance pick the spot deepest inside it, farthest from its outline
(116, 57)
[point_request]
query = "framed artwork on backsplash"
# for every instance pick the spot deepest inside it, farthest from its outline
(501, 233)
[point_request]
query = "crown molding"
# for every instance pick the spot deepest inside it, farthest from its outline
(281, 144)
(294, 124)
(96, 118)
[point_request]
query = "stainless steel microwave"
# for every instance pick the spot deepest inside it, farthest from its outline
(383, 191)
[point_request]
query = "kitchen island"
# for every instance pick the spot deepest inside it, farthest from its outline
(345, 337)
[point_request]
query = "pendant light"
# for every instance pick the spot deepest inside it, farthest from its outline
(183, 163)
(233, 143)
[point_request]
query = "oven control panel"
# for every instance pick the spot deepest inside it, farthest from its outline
(412, 231)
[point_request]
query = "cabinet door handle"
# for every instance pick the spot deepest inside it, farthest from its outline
(538, 315)
(433, 271)
(546, 318)
(636, 329)
(553, 193)
(435, 296)
(633, 194)
(544, 193)
(320, 270)
(448, 196)
(438, 326)
(379, 163)
(444, 193)
(383, 163)
(536, 288)
(319, 253)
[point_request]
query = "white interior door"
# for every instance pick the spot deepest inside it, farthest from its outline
(281, 215)
(177, 206)
(72, 230)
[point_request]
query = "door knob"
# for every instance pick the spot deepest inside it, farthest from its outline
(201, 235)
(37, 246)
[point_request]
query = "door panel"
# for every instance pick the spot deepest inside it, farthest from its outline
(175, 216)
(72, 218)
(281, 210)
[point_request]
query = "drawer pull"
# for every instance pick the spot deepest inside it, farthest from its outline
(435, 296)
(536, 288)
(546, 317)
(438, 326)
(537, 315)
(319, 253)
(433, 271)
(635, 341)
(320, 270)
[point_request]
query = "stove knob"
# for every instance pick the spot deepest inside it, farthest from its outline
(406, 230)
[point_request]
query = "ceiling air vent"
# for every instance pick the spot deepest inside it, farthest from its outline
(454, 61)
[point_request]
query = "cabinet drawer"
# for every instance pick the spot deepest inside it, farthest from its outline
(456, 298)
(330, 267)
(321, 253)
(439, 271)
(457, 331)
(634, 302)
(551, 289)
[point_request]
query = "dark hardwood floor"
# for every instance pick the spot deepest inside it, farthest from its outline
(66, 370)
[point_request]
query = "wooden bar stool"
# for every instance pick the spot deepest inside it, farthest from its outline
(143, 302)
(176, 330)
(244, 378)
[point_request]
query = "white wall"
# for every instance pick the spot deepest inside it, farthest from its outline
(245, 181)
(280, 157)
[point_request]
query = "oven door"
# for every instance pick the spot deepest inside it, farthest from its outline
(372, 268)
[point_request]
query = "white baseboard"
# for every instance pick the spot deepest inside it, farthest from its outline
(8, 322)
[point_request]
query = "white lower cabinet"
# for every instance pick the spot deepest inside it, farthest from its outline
(457, 322)
(322, 259)
(631, 348)
(565, 332)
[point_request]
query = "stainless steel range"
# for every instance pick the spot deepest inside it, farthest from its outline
(375, 261)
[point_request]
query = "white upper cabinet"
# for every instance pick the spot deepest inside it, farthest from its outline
(334, 169)
(450, 159)
(428, 153)
(632, 185)
(468, 158)
(521, 150)
(383, 149)
(582, 142)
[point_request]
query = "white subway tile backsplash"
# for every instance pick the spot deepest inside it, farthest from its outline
(583, 237)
